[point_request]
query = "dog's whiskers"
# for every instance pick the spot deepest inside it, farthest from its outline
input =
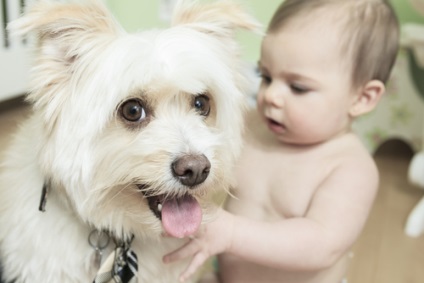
(119, 192)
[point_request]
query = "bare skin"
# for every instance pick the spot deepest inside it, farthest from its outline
(306, 194)
(291, 227)
(305, 183)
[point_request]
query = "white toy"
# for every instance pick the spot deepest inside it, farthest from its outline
(415, 223)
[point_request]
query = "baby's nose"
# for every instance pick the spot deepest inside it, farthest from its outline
(274, 96)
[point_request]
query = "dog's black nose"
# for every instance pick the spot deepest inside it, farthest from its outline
(191, 169)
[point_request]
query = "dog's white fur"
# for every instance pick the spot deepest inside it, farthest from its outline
(85, 67)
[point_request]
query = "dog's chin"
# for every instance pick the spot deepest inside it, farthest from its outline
(180, 215)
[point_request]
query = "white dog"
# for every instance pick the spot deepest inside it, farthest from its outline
(129, 134)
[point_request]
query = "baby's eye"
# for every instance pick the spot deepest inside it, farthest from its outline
(266, 79)
(299, 89)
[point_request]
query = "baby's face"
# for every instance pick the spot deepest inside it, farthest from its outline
(306, 93)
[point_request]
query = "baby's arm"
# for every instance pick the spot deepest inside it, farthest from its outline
(333, 221)
(335, 218)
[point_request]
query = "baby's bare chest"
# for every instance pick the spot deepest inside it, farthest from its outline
(275, 185)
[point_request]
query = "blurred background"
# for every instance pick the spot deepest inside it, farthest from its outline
(391, 249)
(140, 14)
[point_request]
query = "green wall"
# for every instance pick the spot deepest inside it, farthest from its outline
(136, 14)
(141, 14)
(406, 13)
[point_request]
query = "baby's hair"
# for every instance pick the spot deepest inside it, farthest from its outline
(369, 32)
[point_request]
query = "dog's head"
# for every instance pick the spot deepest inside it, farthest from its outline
(137, 128)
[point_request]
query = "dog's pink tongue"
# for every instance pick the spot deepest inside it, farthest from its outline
(181, 217)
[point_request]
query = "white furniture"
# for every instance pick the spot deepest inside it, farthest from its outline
(14, 53)
(414, 40)
(400, 115)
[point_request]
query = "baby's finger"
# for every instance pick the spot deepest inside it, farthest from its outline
(195, 263)
(185, 251)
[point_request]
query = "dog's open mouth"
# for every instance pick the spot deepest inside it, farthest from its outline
(180, 216)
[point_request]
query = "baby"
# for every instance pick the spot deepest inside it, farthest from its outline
(306, 184)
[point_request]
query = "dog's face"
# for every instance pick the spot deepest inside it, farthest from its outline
(138, 128)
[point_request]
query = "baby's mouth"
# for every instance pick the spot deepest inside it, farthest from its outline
(181, 216)
(275, 126)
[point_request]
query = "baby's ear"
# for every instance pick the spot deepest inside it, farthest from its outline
(220, 18)
(367, 98)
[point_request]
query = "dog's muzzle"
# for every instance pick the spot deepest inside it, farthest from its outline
(181, 215)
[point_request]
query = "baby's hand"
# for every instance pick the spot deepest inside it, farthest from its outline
(191, 249)
(213, 238)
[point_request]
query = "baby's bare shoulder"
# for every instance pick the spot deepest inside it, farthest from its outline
(354, 169)
(352, 153)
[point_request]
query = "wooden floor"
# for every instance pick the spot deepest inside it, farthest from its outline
(383, 254)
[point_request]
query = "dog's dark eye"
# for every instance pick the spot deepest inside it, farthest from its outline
(202, 105)
(133, 111)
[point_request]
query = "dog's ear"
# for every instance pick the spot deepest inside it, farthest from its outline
(64, 35)
(220, 18)
(64, 29)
